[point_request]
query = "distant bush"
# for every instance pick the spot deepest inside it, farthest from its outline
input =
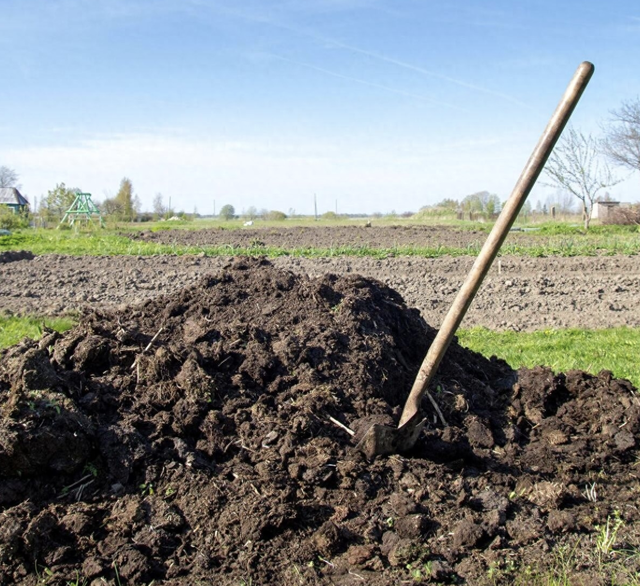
(182, 215)
(623, 216)
(275, 216)
(227, 212)
(436, 212)
(330, 216)
(9, 220)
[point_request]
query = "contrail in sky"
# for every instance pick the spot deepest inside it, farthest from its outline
(365, 82)
(422, 70)
(329, 41)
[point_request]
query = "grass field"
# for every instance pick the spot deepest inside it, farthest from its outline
(614, 349)
(552, 239)
(13, 329)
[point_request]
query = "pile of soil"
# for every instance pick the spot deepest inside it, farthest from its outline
(201, 438)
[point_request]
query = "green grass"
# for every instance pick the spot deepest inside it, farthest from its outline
(13, 329)
(614, 349)
(548, 240)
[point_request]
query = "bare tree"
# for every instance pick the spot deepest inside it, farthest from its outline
(562, 200)
(622, 139)
(576, 165)
(251, 213)
(159, 209)
(8, 177)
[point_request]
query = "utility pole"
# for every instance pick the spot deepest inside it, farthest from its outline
(315, 206)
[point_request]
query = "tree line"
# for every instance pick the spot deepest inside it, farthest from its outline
(580, 165)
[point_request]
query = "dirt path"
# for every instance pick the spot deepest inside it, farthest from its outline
(519, 293)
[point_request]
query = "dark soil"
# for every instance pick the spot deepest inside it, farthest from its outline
(188, 440)
(327, 236)
(519, 293)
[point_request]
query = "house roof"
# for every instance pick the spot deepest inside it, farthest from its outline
(11, 196)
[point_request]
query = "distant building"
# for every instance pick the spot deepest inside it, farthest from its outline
(603, 209)
(11, 197)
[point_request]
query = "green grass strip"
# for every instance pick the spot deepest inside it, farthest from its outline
(102, 243)
(13, 329)
(614, 349)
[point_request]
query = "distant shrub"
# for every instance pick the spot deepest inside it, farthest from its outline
(436, 212)
(623, 216)
(227, 212)
(330, 216)
(275, 216)
(10, 220)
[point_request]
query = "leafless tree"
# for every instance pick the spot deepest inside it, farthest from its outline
(8, 177)
(577, 166)
(159, 209)
(562, 200)
(622, 138)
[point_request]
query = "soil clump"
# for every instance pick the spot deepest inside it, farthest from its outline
(192, 438)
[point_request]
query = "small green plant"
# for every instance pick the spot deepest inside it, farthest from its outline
(54, 405)
(169, 491)
(420, 571)
(493, 571)
(390, 522)
(44, 574)
(607, 535)
(115, 569)
(79, 581)
(146, 489)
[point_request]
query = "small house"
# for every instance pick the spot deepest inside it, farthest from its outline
(12, 198)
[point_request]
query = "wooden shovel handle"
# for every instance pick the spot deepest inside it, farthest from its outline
(495, 239)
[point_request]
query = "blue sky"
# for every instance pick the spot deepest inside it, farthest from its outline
(376, 105)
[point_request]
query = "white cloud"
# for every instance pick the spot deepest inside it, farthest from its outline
(270, 174)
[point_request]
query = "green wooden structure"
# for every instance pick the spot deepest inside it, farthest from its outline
(83, 209)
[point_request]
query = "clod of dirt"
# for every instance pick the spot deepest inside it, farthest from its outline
(194, 438)
(14, 255)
